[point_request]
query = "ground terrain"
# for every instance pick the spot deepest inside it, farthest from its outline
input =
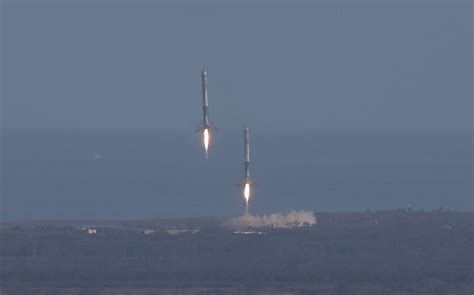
(382, 252)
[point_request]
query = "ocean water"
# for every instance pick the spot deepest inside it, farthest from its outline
(149, 173)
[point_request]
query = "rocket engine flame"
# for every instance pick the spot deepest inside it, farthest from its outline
(206, 139)
(247, 196)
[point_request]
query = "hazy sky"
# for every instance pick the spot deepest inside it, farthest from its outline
(324, 65)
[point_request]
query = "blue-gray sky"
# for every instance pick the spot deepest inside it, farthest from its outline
(324, 65)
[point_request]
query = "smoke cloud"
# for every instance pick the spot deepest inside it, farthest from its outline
(275, 220)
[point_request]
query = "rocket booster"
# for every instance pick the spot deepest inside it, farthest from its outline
(206, 123)
(246, 154)
(247, 181)
(205, 104)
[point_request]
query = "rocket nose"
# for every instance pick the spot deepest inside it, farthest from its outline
(204, 73)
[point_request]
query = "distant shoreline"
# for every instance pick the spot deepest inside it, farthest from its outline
(170, 220)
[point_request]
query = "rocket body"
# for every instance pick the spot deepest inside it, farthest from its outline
(206, 125)
(205, 103)
(246, 154)
(247, 181)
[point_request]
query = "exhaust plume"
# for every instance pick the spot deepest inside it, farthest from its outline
(275, 220)
(247, 196)
(206, 138)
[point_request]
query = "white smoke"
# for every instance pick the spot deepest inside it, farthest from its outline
(275, 220)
